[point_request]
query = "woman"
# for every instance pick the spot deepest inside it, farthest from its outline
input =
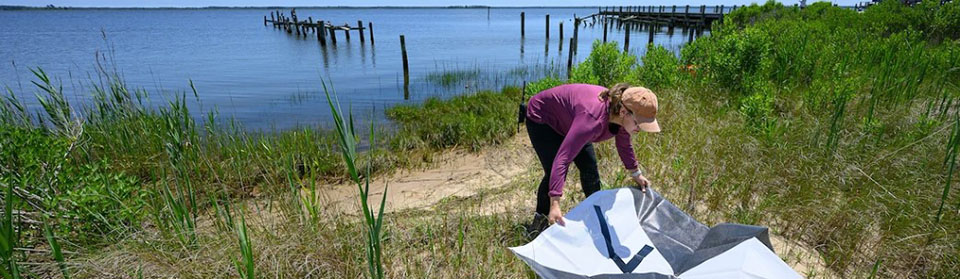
(564, 121)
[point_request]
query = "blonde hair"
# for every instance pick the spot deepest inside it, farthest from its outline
(613, 95)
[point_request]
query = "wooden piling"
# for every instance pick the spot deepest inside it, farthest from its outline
(523, 25)
(716, 9)
(333, 35)
(626, 37)
(296, 25)
(548, 26)
(406, 67)
(561, 32)
(576, 32)
(287, 25)
(605, 26)
(371, 32)
(264, 20)
(703, 14)
(360, 30)
(279, 22)
(346, 31)
(721, 13)
(569, 59)
(308, 27)
(321, 33)
(650, 31)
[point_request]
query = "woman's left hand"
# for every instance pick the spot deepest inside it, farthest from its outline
(642, 182)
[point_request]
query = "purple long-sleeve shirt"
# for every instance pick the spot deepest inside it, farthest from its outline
(576, 112)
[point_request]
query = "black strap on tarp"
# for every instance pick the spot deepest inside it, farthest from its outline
(634, 261)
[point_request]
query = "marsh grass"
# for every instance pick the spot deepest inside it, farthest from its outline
(836, 134)
(449, 78)
(485, 77)
(105, 170)
(246, 265)
(9, 237)
(56, 251)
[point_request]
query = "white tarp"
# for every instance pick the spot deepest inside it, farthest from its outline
(648, 237)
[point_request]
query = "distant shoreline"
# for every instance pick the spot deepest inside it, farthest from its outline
(16, 8)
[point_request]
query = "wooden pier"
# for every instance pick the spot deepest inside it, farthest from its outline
(666, 15)
(693, 21)
(323, 29)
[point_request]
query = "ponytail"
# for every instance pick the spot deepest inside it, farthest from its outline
(613, 96)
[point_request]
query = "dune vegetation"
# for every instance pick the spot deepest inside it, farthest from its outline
(838, 129)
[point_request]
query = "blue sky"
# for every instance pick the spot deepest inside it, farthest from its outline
(204, 3)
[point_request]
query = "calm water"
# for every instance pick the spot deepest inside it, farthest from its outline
(268, 79)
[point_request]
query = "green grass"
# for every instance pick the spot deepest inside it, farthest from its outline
(468, 121)
(124, 166)
(245, 266)
(836, 129)
(56, 252)
(447, 78)
(832, 128)
(9, 237)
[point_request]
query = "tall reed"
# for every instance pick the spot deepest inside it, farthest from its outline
(56, 252)
(245, 266)
(373, 220)
(9, 237)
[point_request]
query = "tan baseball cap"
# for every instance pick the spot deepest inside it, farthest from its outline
(643, 104)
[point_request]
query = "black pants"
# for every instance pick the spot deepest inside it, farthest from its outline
(546, 142)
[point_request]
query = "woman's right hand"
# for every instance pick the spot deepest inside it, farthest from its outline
(555, 216)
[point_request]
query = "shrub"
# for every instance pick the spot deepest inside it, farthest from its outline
(543, 84)
(605, 66)
(946, 22)
(89, 197)
(660, 69)
(758, 108)
(732, 59)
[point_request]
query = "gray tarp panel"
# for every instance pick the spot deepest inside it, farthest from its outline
(677, 239)
(672, 231)
(721, 238)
